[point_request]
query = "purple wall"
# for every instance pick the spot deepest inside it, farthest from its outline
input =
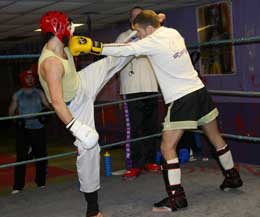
(238, 115)
(241, 119)
(245, 25)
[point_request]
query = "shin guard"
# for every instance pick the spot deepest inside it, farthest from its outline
(176, 195)
(232, 177)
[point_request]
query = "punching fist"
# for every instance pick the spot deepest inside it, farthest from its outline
(83, 44)
(87, 135)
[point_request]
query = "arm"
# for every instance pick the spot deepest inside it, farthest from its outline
(13, 106)
(52, 72)
(142, 47)
(84, 44)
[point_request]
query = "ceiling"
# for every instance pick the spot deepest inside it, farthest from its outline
(19, 18)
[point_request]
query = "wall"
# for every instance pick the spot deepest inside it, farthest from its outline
(238, 115)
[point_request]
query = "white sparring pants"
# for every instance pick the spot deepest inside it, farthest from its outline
(92, 79)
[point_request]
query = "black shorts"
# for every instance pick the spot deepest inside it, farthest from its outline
(190, 111)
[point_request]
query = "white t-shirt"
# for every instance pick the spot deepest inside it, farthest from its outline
(138, 75)
(171, 62)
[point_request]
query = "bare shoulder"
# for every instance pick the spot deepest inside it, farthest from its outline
(51, 65)
(51, 62)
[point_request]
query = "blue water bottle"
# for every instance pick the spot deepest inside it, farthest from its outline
(184, 155)
(158, 157)
(107, 164)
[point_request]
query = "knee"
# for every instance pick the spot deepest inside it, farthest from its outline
(167, 149)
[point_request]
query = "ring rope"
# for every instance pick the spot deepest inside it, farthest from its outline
(213, 92)
(235, 93)
(19, 56)
(225, 135)
(96, 106)
(74, 152)
(252, 39)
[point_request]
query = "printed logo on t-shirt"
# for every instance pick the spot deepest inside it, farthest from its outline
(178, 54)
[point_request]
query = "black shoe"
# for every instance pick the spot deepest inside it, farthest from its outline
(232, 180)
(179, 201)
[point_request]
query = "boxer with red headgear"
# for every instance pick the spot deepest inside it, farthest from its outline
(56, 23)
(72, 96)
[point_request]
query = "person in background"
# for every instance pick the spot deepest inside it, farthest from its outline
(30, 132)
(137, 79)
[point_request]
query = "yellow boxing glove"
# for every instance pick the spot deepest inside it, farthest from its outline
(83, 44)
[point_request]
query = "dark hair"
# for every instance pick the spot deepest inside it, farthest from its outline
(147, 18)
(47, 36)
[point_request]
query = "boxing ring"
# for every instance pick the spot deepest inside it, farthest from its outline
(135, 198)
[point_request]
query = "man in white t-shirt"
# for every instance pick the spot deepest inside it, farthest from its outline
(137, 79)
(189, 103)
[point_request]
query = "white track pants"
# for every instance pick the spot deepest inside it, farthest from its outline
(93, 78)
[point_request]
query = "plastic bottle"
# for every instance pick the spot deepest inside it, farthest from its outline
(158, 157)
(107, 164)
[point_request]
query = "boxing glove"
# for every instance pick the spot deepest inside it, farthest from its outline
(87, 135)
(83, 44)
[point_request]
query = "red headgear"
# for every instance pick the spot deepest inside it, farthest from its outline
(24, 78)
(56, 22)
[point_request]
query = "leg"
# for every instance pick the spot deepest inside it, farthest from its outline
(178, 119)
(150, 126)
(88, 160)
(38, 142)
(88, 169)
(232, 177)
(97, 74)
(170, 139)
(212, 132)
(92, 200)
(135, 109)
(171, 174)
(21, 155)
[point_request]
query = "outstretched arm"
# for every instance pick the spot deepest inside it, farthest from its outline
(84, 44)
(145, 46)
